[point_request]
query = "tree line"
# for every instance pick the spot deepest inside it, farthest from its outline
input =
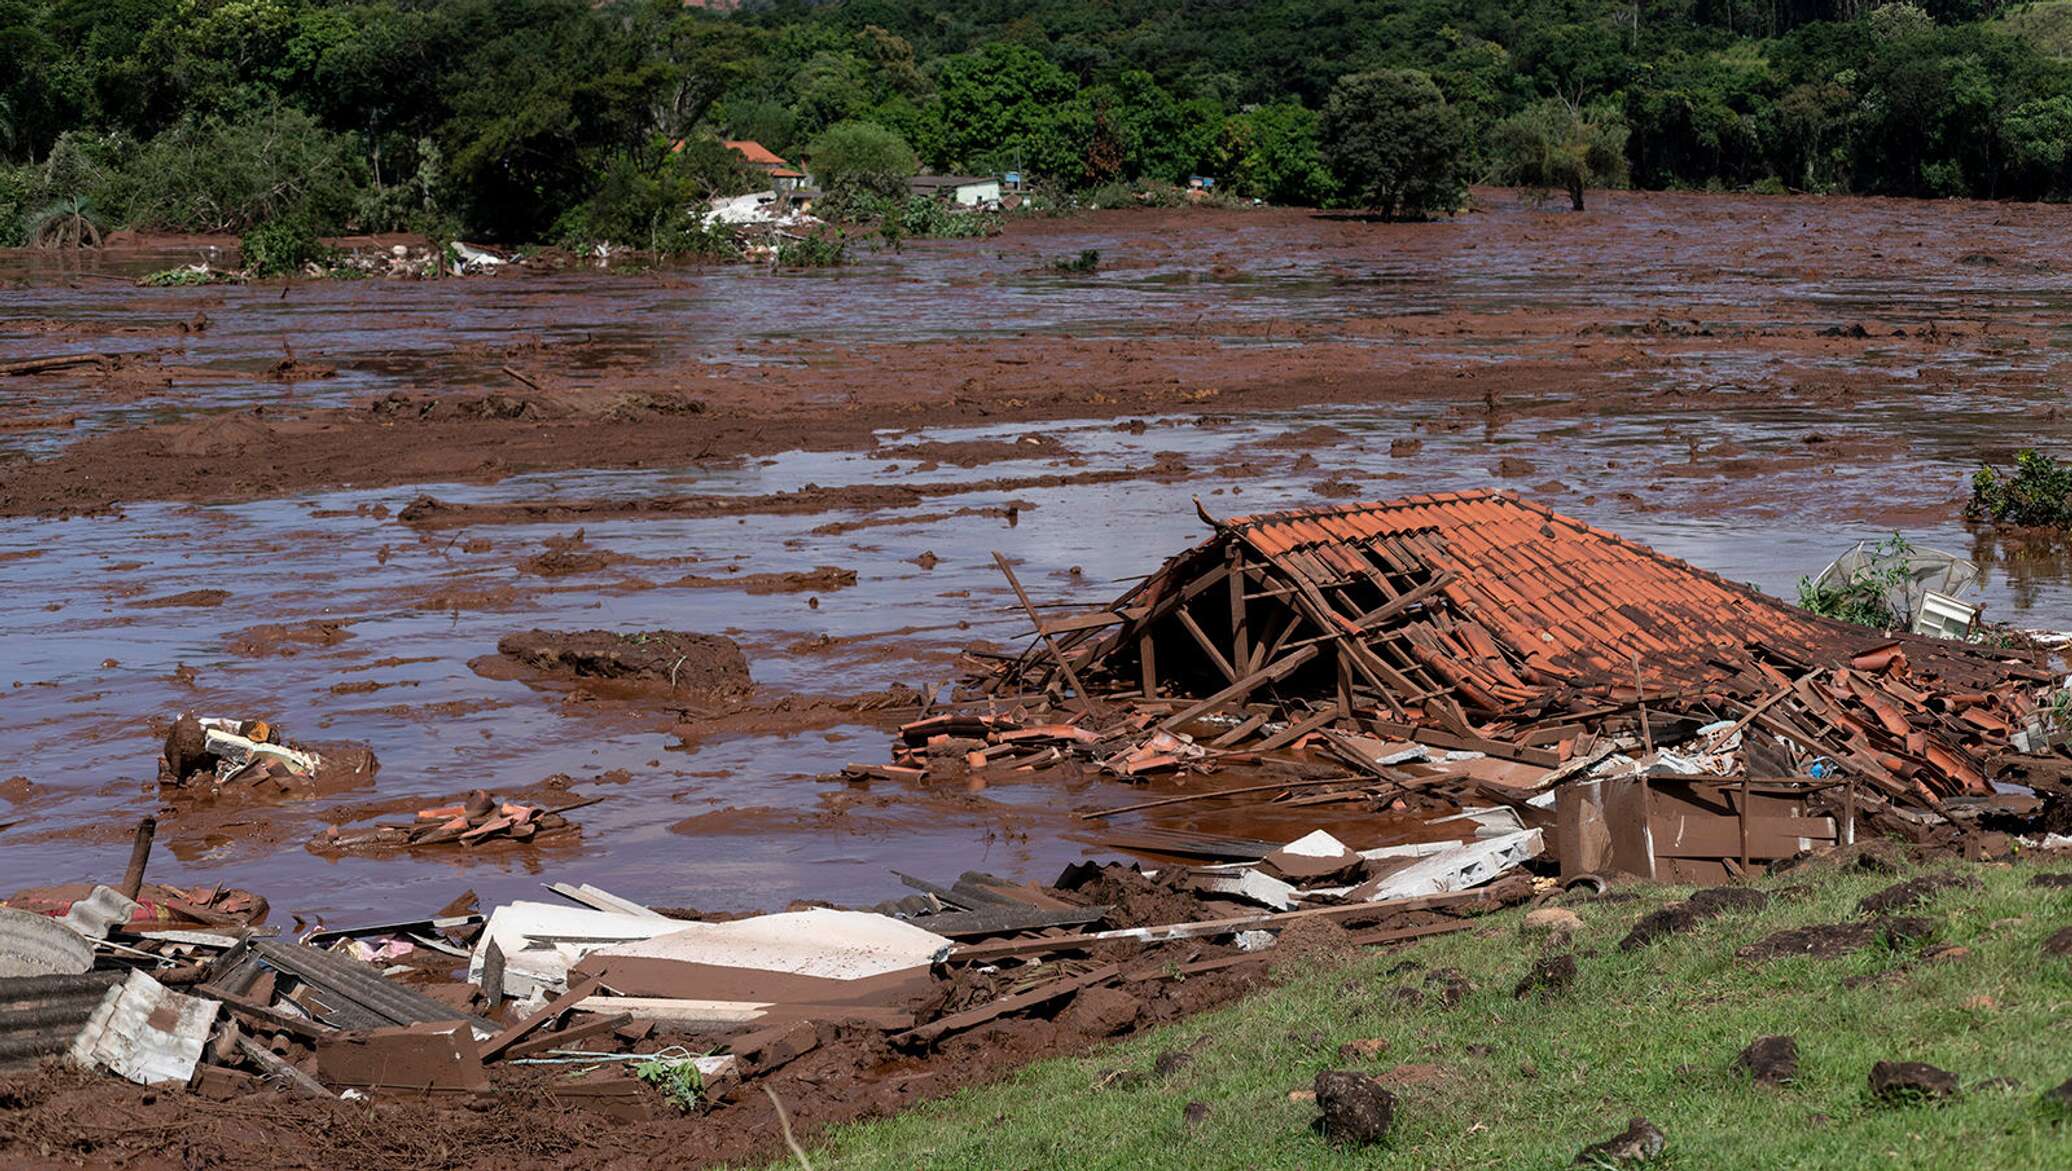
(568, 119)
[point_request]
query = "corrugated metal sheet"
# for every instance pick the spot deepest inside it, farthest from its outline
(40, 1015)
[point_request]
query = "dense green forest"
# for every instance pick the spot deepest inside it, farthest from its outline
(555, 119)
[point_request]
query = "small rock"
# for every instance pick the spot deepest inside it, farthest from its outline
(1452, 983)
(1527, 1069)
(1551, 919)
(1907, 1082)
(1356, 1109)
(1365, 1049)
(1914, 892)
(2001, 1085)
(1102, 1012)
(1674, 919)
(1551, 976)
(2059, 944)
(1773, 1060)
(1195, 1113)
(1642, 1142)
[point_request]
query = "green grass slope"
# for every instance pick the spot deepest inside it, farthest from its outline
(1499, 1082)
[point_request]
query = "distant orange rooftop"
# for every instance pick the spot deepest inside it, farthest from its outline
(756, 153)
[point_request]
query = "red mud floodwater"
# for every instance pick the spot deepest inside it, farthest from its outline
(1751, 384)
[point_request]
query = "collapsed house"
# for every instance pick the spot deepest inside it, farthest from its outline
(1482, 625)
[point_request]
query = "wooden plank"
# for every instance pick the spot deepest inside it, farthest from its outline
(1249, 725)
(1685, 835)
(569, 1035)
(1002, 920)
(1147, 658)
(1196, 930)
(1240, 648)
(936, 1030)
(1074, 623)
(1304, 727)
(1200, 637)
(1072, 677)
(1211, 795)
(1439, 738)
(1241, 688)
(553, 1008)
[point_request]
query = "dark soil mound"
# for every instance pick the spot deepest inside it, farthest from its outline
(709, 663)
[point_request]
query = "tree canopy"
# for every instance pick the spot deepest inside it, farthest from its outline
(510, 117)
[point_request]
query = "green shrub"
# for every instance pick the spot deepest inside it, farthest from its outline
(823, 250)
(216, 175)
(695, 239)
(928, 218)
(865, 157)
(2038, 494)
(280, 247)
(17, 193)
(1086, 262)
(1866, 598)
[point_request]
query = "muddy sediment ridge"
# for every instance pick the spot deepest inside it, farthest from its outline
(818, 467)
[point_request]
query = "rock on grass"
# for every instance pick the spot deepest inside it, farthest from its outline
(1551, 976)
(1642, 1142)
(1913, 892)
(1773, 1061)
(1355, 1108)
(1904, 1083)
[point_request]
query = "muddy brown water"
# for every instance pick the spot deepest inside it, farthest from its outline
(1759, 451)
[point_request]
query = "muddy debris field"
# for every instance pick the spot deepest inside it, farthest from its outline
(746, 608)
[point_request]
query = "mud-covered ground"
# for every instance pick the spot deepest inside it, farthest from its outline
(327, 504)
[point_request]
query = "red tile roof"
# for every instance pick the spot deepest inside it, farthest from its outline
(1482, 614)
(755, 152)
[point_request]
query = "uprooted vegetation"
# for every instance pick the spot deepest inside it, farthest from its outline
(2036, 494)
(1669, 1031)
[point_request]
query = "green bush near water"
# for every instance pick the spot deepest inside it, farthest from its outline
(2038, 494)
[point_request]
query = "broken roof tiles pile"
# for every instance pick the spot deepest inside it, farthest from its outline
(1481, 621)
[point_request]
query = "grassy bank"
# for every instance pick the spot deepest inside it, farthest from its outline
(1495, 1081)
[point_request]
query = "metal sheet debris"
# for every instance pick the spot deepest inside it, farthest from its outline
(146, 1032)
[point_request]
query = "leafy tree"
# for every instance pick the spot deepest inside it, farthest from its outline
(1558, 145)
(852, 159)
(1394, 145)
(1272, 152)
(1007, 101)
(213, 174)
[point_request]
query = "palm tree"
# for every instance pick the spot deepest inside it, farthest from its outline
(70, 222)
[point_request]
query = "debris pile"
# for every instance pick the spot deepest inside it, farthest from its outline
(479, 819)
(1478, 647)
(214, 753)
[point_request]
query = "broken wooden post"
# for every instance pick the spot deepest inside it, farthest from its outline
(1056, 652)
(140, 854)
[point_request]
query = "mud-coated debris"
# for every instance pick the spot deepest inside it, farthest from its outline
(1355, 1108)
(1674, 919)
(2059, 1095)
(1551, 976)
(186, 748)
(2055, 881)
(1195, 1113)
(1551, 919)
(1946, 953)
(1913, 893)
(1451, 984)
(1172, 1061)
(1773, 1061)
(2060, 943)
(1641, 1142)
(708, 663)
(1902, 1083)
(1364, 1049)
(1823, 941)
(1996, 1085)
(1408, 997)
(1902, 930)
(1102, 1012)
